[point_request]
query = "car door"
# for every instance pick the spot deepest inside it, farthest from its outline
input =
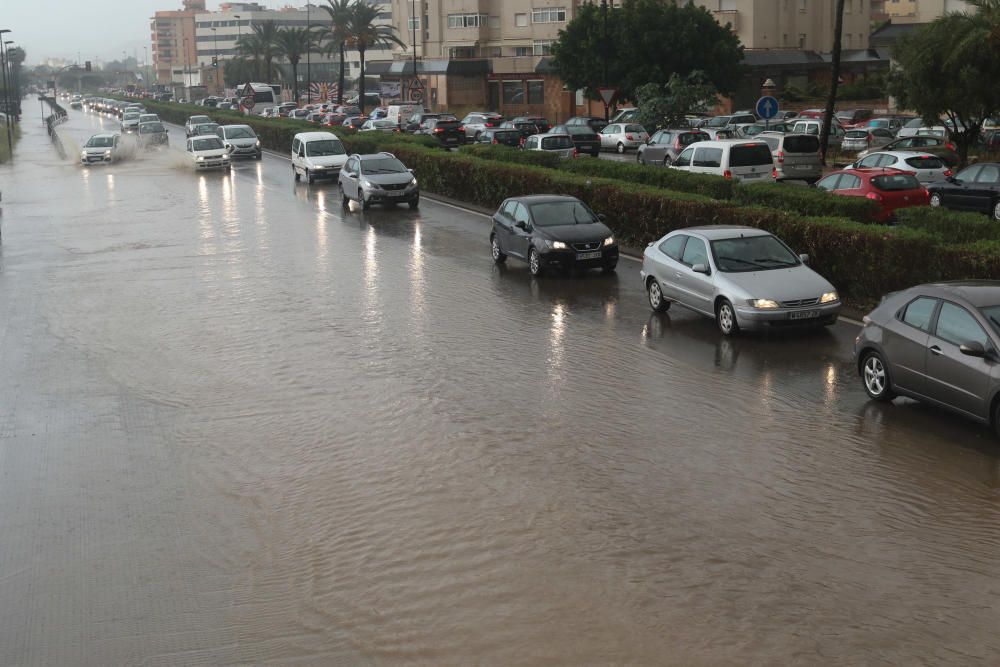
(348, 179)
(956, 193)
(955, 379)
(695, 289)
(905, 344)
(683, 161)
(667, 265)
(656, 149)
(503, 224)
(520, 232)
(608, 135)
(296, 145)
(984, 188)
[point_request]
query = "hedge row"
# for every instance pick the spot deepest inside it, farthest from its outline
(950, 226)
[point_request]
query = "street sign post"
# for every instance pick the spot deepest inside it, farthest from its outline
(767, 108)
(607, 94)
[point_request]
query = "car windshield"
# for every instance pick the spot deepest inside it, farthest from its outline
(382, 165)
(199, 119)
(752, 253)
(896, 182)
(568, 212)
(131, 116)
(101, 142)
(718, 121)
(581, 131)
(321, 147)
(207, 144)
(149, 128)
(857, 134)
(992, 313)
(240, 133)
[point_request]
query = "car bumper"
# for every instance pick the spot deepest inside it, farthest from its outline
(212, 164)
(792, 172)
(245, 151)
(97, 159)
(819, 315)
(571, 259)
(332, 173)
(384, 196)
(852, 146)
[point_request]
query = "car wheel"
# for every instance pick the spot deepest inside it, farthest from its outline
(414, 203)
(258, 156)
(310, 177)
(365, 204)
(875, 374)
(534, 263)
(297, 177)
(935, 199)
(345, 201)
(609, 268)
(656, 300)
(667, 161)
(498, 255)
(621, 148)
(725, 316)
(996, 210)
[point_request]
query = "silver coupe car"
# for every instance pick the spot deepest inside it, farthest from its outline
(743, 277)
(936, 343)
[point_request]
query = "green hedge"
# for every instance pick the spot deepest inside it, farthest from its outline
(950, 226)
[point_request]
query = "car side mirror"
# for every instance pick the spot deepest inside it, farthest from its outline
(701, 268)
(602, 217)
(804, 258)
(973, 349)
(521, 224)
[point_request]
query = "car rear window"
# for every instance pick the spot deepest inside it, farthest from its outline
(508, 135)
(896, 182)
(802, 144)
(750, 155)
(581, 132)
(553, 143)
(634, 128)
(447, 124)
(857, 134)
(689, 138)
(925, 162)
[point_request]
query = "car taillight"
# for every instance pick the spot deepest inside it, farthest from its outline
(629, 137)
(495, 142)
(870, 137)
(576, 153)
(677, 145)
(774, 173)
(781, 157)
(947, 173)
(950, 146)
(490, 124)
(927, 196)
(874, 196)
(438, 130)
(728, 175)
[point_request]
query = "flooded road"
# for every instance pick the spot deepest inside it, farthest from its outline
(240, 426)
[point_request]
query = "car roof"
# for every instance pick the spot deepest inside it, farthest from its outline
(541, 199)
(979, 293)
(105, 134)
(716, 232)
(549, 134)
(309, 136)
(372, 156)
(903, 154)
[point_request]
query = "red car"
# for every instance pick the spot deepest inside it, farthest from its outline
(891, 189)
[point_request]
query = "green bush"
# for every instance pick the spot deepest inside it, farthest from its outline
(511, 154)
(669, 179)
(950, 226)
(806, 201)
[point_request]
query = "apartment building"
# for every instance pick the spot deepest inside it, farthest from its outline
(806, 25)
(172, 34)
(922, 11)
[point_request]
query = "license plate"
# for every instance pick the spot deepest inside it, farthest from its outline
(451, 140)
(395, 193)
(751, 176)
(588, 255)
(803, 315)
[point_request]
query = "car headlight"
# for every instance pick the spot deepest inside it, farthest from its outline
(83, 155)
(413, 182)
(609, 241)
(829, 297)
(258, 143)
(763, 303)
(365, 183)
(200, 158)
(107, 153)
(556, 245)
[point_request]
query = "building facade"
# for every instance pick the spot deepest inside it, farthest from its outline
(172, 34)
(806, 25)
(922, 11)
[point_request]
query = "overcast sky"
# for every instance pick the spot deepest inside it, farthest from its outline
(96, 29)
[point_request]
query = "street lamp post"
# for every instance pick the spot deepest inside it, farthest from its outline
(308, 53)
(604, 52)
(15, 99)
(215, 58)
(6, 97)
(145, 62)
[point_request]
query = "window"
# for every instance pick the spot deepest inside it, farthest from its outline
(674, 246)
(802, 6)
(918, 313)
(750, 155)
(695, 252)
(536, 92)
(829, 183)
(513, 92)
(494, 23)
(541, 47)
(413, 23)
(709, 157)
(990, 173)
(802, 35)
(548, 15)
(521, 213)
(520, 20)
(957, 326)
(684, 159)
(847, 8)
(849, 182)
(847, 40)
(523, 51)
(467, 20)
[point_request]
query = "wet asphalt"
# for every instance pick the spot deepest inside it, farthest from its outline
(240, 425)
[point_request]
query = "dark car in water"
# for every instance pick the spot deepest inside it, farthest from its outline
(937, 343)
(552, 232)
(584, 138)
(975, 188)
(500, 136)
(153, 135)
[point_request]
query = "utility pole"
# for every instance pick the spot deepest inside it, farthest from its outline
(6, 96)
(215, 57)
(309, 53)
(604, 53)
(413, 28)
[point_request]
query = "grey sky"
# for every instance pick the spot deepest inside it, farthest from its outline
(96, 29)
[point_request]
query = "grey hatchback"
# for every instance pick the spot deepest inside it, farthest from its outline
(938, 343)
(378, 179)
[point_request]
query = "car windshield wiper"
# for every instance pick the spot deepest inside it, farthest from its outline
(741, 261)
(773, 261)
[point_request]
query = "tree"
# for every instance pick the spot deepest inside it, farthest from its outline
(943, 73)
(266, 35)
(983, 25)
(335, 35)
(365, 34)
(665, 105)
(831, 100)
(251, 49)
(648, 42)
(239, 70)
(292, 44)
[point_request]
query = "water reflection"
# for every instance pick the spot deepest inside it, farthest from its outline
(417, 280)
(557, 332)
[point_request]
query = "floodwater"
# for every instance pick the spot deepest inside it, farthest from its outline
(241, 426)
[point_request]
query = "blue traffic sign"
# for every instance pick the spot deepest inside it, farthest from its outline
(767, 107)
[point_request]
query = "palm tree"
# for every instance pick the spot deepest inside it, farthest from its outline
(240, 70)
(292, 44)
(364, 34)
(251, 49)
(266, 35)
(335, 35)
(982, 26)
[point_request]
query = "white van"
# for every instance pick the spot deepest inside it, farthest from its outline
(399, 113)
(747, 161)
(317, 155)
(814, 127)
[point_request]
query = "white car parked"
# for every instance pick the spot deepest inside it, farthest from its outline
(623, 136)
(748, 161)
(926, 167)
(560, 144)
(208, 152)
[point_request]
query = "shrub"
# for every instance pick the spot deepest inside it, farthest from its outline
(806, 201)
(510, 154)
(950, 226)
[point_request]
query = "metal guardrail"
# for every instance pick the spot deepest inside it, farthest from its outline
(57, 117)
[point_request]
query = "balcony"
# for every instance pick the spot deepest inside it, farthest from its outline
(730, 16)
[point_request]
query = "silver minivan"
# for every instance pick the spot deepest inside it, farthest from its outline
(796, 156)
(747, 161)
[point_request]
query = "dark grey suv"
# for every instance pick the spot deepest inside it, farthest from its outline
(938, 343)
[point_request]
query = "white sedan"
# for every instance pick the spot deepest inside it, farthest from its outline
(623, 136)
(208, 152)
(927, 168)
